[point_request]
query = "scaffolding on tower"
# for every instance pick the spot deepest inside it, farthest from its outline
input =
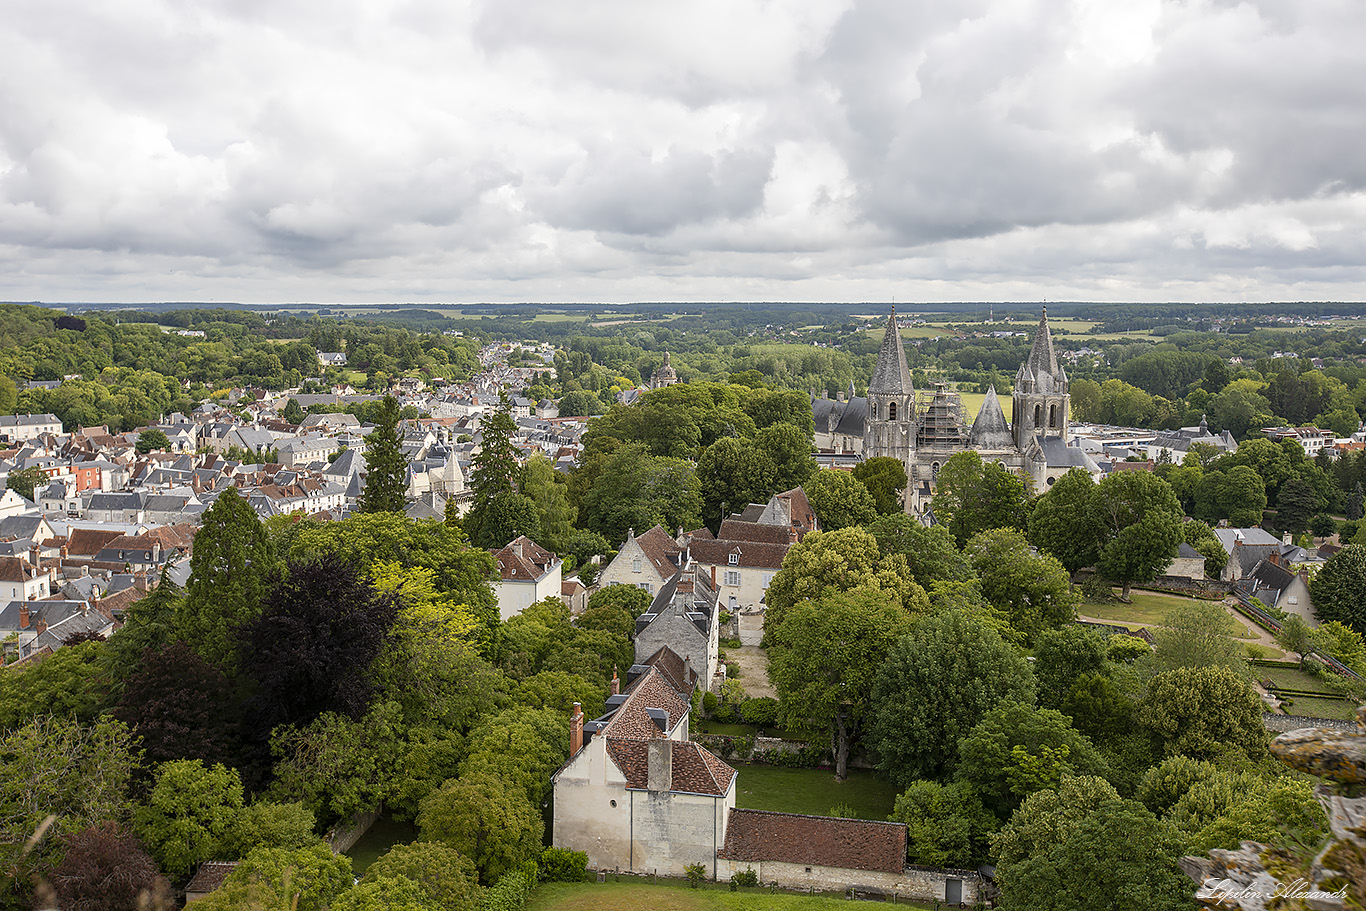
(941, 424)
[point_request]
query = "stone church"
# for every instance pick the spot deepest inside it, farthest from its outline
(924, 430)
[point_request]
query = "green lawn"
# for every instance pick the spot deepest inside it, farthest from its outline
(1150, 609)
(1338, 709)
(1292, 678)
(813, 791)
(380, 837)
(633, 896)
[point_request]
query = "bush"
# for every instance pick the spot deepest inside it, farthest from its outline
(732, 642)
(722, 618)
(762, 711)
(1097, 590)
(843, 811)
(732, 670)
(709, 703)
(561, 865)
(725, 713)
(746, 877)
(696, 874)
(512, 889)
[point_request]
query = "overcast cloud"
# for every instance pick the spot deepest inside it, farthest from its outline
(619, 150)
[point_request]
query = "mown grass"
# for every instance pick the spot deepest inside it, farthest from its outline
(813, 792)
(1337, 709)
(383, 835)
(632, 896)
(1149, 609)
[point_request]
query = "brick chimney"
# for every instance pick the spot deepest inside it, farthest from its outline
(23, 615)
(616, 683)
(576, 730)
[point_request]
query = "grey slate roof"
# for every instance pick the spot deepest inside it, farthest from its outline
(1059, 455)
(989, 429)
(891, 375)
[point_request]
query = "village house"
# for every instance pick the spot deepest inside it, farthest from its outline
(683, 618)
(645, 562)
(527, 573)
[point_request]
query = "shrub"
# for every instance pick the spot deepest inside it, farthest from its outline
(709, 703)
(696, 874)
(762, 711)
(746, 877)
(843, 811)
(1097, 590)
(561, 865)
(732, 670)
(511, 890)
(725, 713)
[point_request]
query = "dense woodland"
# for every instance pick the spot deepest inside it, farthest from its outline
(310, 671)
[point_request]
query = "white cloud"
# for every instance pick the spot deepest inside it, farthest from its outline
(614, 150)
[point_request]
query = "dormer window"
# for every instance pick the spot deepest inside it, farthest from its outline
(734, 559)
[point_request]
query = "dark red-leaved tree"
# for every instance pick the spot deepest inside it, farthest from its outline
(181, 706)
(311, 647)
(104, 868)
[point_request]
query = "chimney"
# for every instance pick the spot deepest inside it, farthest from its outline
(713, 577)
(23, 615)
(616, 683)
(35, 556)
(660, 774)
(1285, 538)
(576, 730)
(41, 627)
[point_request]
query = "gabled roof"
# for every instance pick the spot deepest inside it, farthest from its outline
(849, 844)
(651, 691)
(749, 554)
(694, 769)
(661, 550)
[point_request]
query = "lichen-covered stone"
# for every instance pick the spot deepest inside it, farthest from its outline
(1331, 754)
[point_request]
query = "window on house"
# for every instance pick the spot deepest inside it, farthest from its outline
(734, 559)
(732, 578)
(636, 565)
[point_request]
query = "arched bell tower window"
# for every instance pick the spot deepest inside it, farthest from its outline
(891, 411)
(1052, 415)
(934, 471)
(873, 406)
(1038, 415)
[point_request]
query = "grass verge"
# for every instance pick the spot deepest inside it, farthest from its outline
(632, 896)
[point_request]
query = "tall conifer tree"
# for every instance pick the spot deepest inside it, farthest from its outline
(386, 478)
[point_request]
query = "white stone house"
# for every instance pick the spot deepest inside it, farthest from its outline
(682, 617)
(527, 573)
(647, 561)
(636, 795)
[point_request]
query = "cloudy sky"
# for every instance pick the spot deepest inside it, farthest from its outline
(542, 150)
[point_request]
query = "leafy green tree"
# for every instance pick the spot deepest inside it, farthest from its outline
(69, 683)
(629, 488)
(1339, 588)
(885, 478)
(152, 440)
(733, 474)
(79, 774)
(1294, 637)
(1230, 806)
(824, 659)
(1343, 643)
(830, 561)
(386, 466)
(1119, 856)
(485, 819)
(302, 879)
(1141, 521)
(1295, 506)
(971, 496)
(447, 878)
(580, 403)
(1064, 521)
(1200, 711)
(190, 814)
(1046, 817)
(936, 684)
(270, 825)
(1216, 376)
(947, 825)
(1061, 657)
(788, 447)
(25, 481)
(547, 490)
(232, 568)
(1201, 537)
(9, 395)
(839, 500)
(292, 412)
(1032, 590)
(385, 893)
(1167, 782)
(1016, 750)
(929, 550)
(337, 767)
(521, 746)
(1197, 634)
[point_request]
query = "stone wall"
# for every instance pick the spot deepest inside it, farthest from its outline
(1286, 723)
(345, 835)
(923, 884)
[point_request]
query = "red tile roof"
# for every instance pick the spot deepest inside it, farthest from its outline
(694, 770)
(87, 542)
(652, 691)
(749, 554)
(736, 530)
(850, 844)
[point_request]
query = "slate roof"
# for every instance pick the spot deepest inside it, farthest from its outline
(1040, 371)
(850, 844)
(989, 429)
(1059, 455)
(891, 376)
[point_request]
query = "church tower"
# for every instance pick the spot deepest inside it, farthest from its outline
(890, 428)
(1041, 404)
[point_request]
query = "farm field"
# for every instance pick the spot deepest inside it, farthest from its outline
(813, 791)
(631, 896)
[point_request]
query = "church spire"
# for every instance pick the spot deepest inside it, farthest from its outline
(1041, 372)
(891, 376)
